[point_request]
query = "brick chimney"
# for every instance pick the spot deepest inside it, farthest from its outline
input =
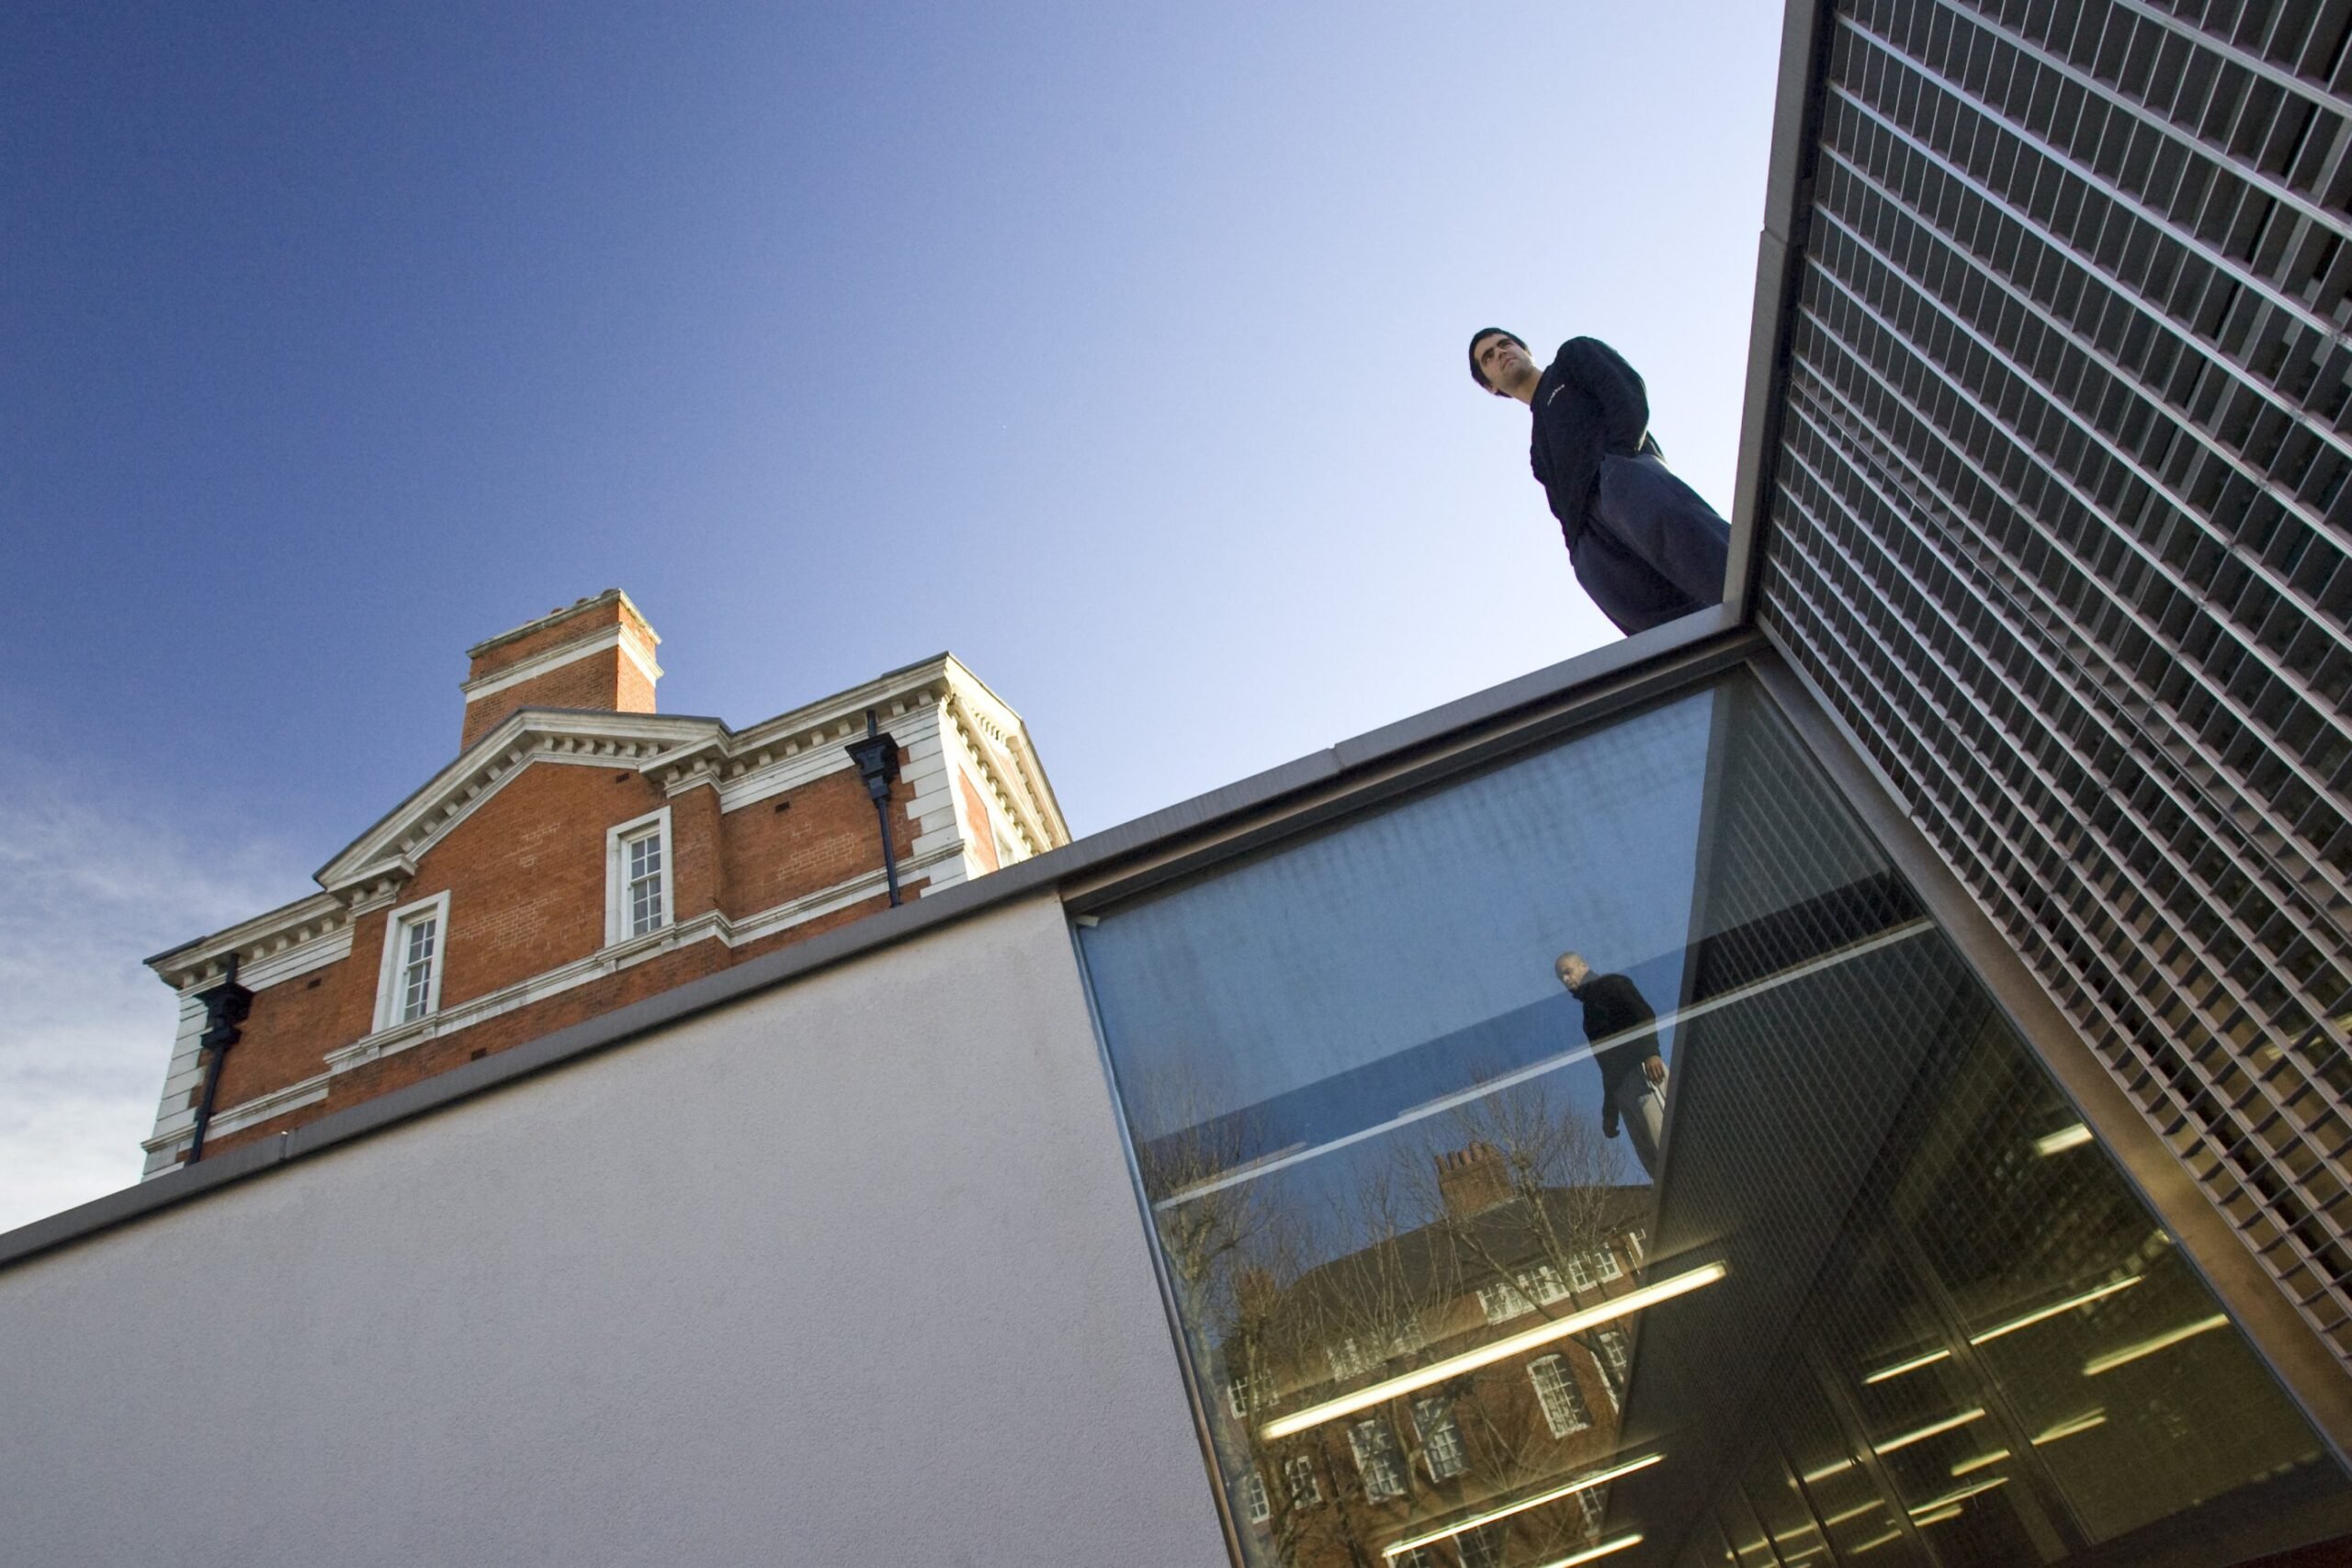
(597, 653)
(1473, 1179)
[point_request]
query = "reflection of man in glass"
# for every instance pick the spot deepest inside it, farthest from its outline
(1633, 1073)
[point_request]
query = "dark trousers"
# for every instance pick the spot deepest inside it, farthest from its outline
(1664, 524)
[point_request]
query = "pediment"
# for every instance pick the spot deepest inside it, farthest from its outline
(391, 847)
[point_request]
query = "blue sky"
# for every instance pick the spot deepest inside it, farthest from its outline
(1118, 349)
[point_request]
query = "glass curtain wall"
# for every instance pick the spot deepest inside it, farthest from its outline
(1603, 1157)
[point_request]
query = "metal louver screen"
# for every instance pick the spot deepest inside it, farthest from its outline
(2059, 519)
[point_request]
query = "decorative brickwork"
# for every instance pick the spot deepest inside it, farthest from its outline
(569, 862)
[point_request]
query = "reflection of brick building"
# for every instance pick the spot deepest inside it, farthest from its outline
(1500, 1259)
(582, 852)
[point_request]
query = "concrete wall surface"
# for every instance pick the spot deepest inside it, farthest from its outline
(849, 1272)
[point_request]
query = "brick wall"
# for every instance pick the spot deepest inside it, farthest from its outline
(526, 876)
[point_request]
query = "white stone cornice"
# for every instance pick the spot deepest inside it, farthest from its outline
(302, 927)
(677, 752)
(622, 637)
(626, 739)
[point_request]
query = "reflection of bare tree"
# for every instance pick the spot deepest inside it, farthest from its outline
(1506, 1212)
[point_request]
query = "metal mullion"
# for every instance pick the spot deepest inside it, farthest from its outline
(2130, 610)
(2102, 838)
(2070, 253)
(2096, 186)
(2165, 1107)
(2237, 54)
(2105, 847)
(2116, 674)
(2245, 638)
(2163, 319)
(2147, 114)
(2090, 992)
(2330, 1105)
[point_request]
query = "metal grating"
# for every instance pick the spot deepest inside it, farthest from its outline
(2061, 523)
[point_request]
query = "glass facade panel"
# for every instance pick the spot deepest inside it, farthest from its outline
(1601, 1157)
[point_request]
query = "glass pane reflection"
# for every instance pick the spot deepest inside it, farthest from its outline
(1603, 1159)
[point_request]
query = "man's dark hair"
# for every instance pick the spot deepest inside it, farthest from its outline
(1480, 336)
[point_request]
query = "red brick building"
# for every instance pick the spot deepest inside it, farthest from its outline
(581, 853)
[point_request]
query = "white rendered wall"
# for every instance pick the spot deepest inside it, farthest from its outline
(847, 1273)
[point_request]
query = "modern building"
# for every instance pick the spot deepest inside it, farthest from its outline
(579, 853)
(1213, 1190)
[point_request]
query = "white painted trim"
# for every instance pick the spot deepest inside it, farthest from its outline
(709, 927)
(616, 841)
(538, 664)
(388, 987)
(277, 1102)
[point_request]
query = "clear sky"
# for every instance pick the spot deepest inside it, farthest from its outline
(1117, 348)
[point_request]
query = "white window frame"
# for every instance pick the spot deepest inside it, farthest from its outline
(1606, 1266)
(1255, 1503)
(1565, 1409)
(1299, 1480)
(388, 984)
(653, 824)
(1442, 1451)
(1579, 1272)
(1377, 1460)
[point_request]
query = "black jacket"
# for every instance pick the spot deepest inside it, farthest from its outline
(1591, 404)
(1612, 1005)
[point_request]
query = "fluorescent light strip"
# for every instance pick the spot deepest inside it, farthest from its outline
(1486, 1355)
(2059, 1142)
(1834, 1520)
(2115, 1359)
(2069, 1305)
(1826, 1471)
(1674, 1019)
(2068, 1428)
(1594, 1553)
(1582, 1483)
(1913, 1365)
(1950, 1422)
(1938, 1516)
(1877, 1541)
(1980, 1461)
(1959, 1496)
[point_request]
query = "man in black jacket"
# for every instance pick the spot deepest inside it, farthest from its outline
(1644, 545)
(1633, 1073)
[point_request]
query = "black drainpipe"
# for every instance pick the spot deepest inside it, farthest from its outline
(226, 1006)
(876, 757)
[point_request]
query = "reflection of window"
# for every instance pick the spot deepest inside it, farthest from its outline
(1481, 1548)
(1254, 1501)
(1616, 1360)
(1503, 1302)
(1246, 1393)
(1564, 1407)
(1375, 1452)
(1579, 1272)
(1605, 1264)
(1442, 1448)
(1634, 1241)
(1347, 1356)
(1544, 1285)
(1298, 1475)
(1414, 1557)
(1588, 1500)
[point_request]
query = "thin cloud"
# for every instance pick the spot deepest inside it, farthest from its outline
(95, 885)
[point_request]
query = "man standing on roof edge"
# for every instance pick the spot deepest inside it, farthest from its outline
(1645, 547)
